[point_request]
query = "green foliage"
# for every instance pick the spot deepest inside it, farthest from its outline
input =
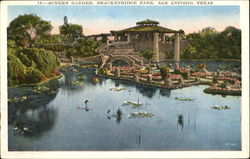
(210, 44)
(176, 71)
(71, 31)
(26, 28)
(34, 76)
(16, 70)
(103, 71)
(70, 52)
(184, 75)
(147, 54)
(222, 85)
(51, 42)
(214, 80)
(164, 71)
(44, 60)
(169, 55)
(83, 48)
(11, 44)
(50, 39)
(30, 65)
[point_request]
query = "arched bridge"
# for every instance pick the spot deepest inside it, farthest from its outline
(126, 59)
(130, 60)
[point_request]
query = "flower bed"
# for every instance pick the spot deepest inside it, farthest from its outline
(217, 88)
(141, 71)
(227, 78)
(184, 70)
(127, 68)
(156, 77)
(127, 73)
(201, 74)
(173, 76)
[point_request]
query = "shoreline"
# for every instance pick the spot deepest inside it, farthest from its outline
(156, 86)
(39, 83)
(179, 86)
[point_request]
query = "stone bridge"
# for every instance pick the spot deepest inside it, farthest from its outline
(119, 52)
(127, 59)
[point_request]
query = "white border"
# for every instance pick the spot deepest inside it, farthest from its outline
(244, 153)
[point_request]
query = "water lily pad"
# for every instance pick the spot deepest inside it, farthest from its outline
(40, 89)
(117, 89)
(132, 104)
(18, 99)
(183, 99)
(221, 107)
(140, 115)
(77, 83)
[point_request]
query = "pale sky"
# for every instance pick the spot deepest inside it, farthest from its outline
(102, 19)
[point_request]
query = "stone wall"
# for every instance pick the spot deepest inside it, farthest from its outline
(92, 60)
(169, 47)
(146, 42)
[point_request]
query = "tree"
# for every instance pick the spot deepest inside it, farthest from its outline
(27, 28)
(164, 70)
(16, 69)
(148, 54)
(71, 31)
(210, 44)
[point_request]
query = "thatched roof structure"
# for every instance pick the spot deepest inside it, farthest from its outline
(146, 26)
(147, 22)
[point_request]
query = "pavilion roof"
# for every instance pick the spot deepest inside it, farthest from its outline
(145, 28)
(147, 22)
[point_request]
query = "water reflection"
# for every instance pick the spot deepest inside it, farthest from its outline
(146, 91)
(180, 121)
(33, 116)
(116, 115)
(138, 139)
(34, 122)
(117, 83)
(119, 116)
(164, 131)
(165, 92)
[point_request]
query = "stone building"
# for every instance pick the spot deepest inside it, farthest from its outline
(149, 35)
(146, 35)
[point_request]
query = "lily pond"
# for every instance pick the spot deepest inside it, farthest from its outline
(75, 113)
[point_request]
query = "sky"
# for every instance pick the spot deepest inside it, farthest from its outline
(102, 19)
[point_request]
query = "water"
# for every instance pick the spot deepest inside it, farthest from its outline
(60, 122)
(211, 65)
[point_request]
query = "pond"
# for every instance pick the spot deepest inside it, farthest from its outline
(59, 120)
(211, 65)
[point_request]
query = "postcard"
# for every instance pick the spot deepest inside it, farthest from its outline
(125, 79)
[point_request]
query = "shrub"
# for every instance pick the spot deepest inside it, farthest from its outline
(201, 65)
(177, 71)
(34, 76)
(16, 70)
(103, 71)
(223, 85)
(184, 75)
(44, 60)
(215, 80)
(30, 65)
(164, 71)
